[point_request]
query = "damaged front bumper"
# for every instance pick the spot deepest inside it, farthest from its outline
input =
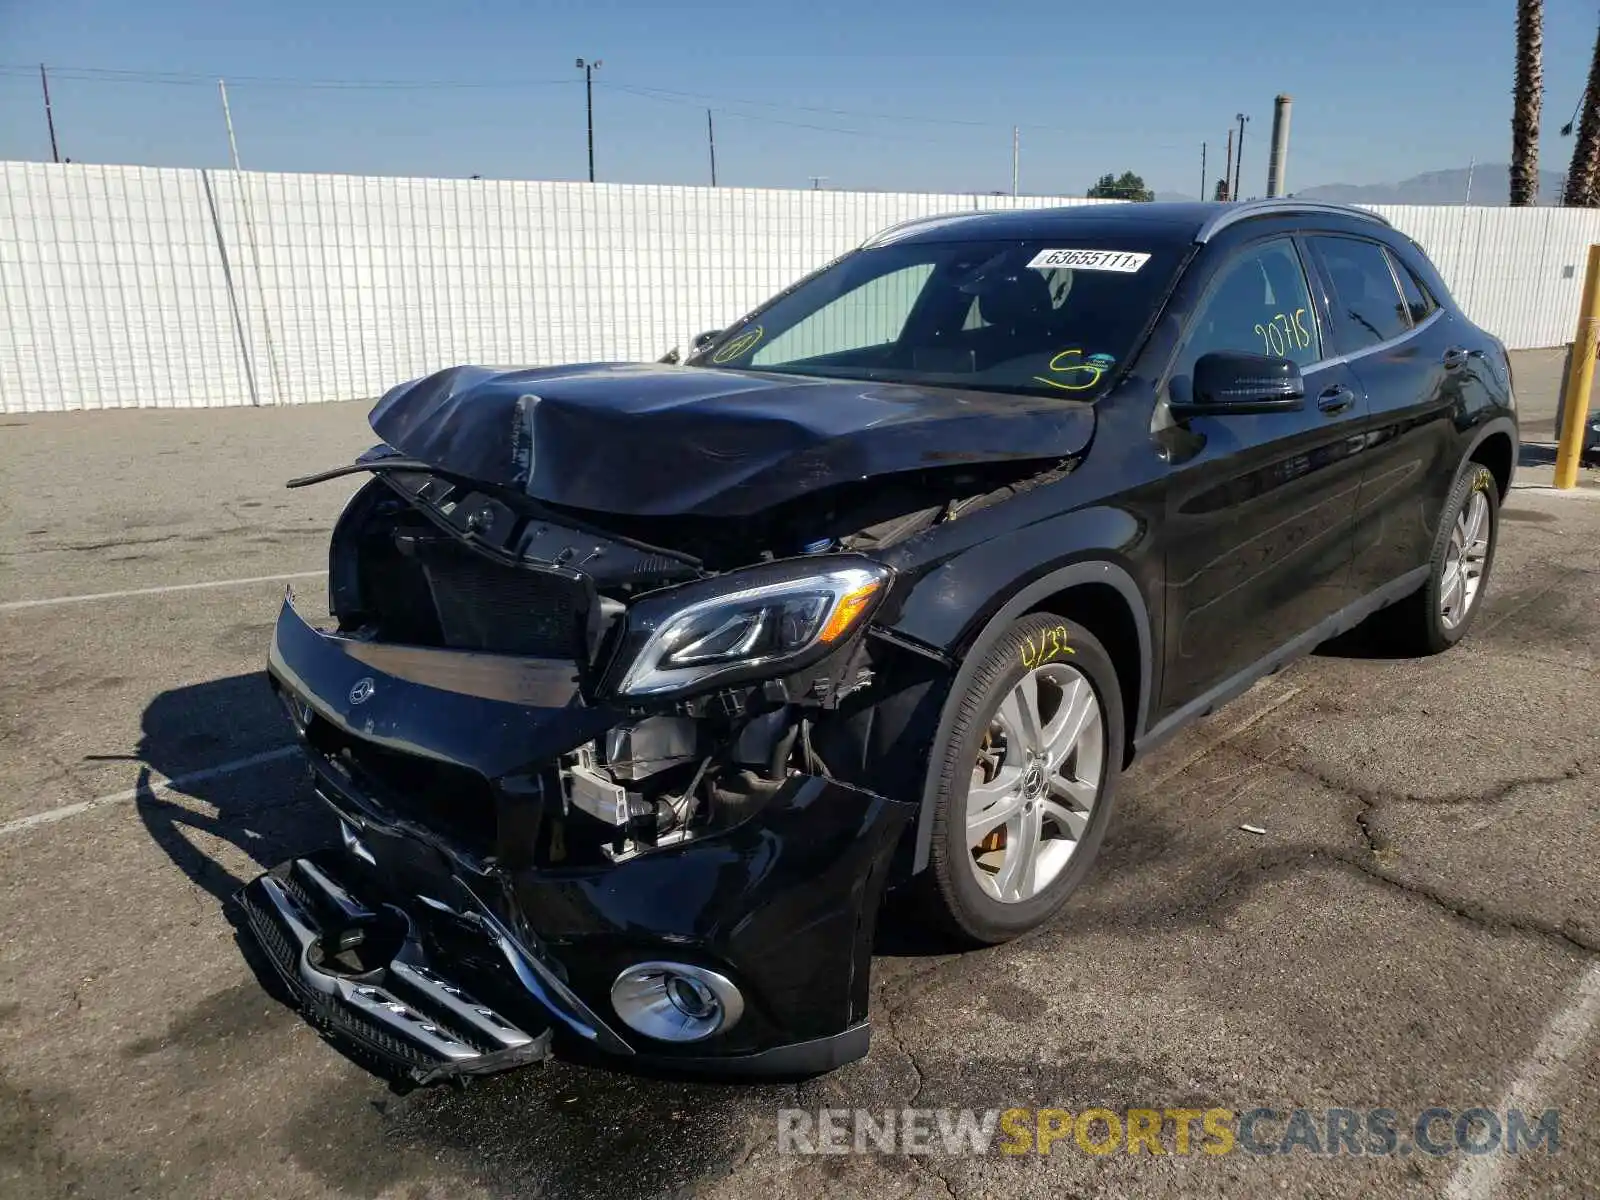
(386, 999)
(433, 940)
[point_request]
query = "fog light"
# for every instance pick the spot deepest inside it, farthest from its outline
(675, 1002)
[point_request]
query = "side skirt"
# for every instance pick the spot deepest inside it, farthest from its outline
(1235, 685)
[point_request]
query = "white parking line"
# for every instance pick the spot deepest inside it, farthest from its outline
(13, 605)
(1480, 1178)
(156, 788)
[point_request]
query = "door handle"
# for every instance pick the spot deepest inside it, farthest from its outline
(1455, 358)
(1335, 399)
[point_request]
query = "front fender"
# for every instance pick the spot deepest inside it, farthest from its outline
(946, 605)
(965, 604)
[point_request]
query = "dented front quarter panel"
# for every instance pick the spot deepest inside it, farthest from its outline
(952, 580)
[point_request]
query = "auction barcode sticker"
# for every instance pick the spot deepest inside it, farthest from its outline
(1124, 261)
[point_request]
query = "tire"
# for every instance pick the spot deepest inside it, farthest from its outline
(1422, 624)
(1047, 793)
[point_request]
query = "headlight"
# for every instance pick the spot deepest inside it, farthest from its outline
(754, 623)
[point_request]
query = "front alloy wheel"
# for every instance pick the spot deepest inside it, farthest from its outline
(1035, 782)
(1024, 781)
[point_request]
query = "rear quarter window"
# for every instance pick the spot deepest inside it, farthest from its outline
(1419, 301)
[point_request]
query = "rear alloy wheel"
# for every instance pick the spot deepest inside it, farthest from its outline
(1440, 612)
(1466, 560)
(1026, 780)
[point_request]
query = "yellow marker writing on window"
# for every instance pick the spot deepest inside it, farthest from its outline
(1291, 335)
(1062, 369)
(739, 346)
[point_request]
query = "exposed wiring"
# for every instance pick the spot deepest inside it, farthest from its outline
(814, 763)
(687, 799)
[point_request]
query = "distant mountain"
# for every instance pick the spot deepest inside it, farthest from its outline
(1491, 185)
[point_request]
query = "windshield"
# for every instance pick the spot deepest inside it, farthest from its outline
(1040, 317)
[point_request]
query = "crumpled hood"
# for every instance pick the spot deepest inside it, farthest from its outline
(656, 440)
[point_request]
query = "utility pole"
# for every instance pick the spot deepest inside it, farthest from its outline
(49, 119)
(1238, 169)
(1471, 166)
(711, 140)
(588, 69)
(817, 181)
(1202, 170)
(227, 116)
(1224, 188)
(1016, 157)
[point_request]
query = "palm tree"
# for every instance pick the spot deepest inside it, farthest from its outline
(1584, 174)
(1527, 95)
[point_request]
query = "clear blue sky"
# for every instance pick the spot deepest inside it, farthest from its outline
(1383, 89)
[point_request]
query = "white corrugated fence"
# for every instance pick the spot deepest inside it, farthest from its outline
(131, 286)
(1518, 272)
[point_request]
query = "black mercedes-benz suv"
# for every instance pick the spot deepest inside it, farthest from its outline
(645, 681)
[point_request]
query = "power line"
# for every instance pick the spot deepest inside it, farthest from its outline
(701, 98)
(668, 95)
(742, 116)
(184, 78)
(683, 98)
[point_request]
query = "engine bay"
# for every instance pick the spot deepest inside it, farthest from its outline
(421, 560)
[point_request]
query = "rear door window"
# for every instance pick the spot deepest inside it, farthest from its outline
(1363, 300)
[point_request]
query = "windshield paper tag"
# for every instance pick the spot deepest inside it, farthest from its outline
(1089, 260)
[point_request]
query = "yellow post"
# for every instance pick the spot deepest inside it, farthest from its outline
(1580, 377)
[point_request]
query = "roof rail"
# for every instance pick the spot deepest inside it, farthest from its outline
(1244, 210)
(884, 236)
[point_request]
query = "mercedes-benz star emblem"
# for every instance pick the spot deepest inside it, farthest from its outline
(362, 691)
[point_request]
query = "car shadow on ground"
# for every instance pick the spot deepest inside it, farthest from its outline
(1543, 454)
(265, 810)
(1374, 638)
(1536, 454)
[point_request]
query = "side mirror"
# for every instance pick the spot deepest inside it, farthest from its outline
(702, 340)
(1228, 383)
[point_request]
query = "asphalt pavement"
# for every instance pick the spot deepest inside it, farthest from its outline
(1416, 924)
